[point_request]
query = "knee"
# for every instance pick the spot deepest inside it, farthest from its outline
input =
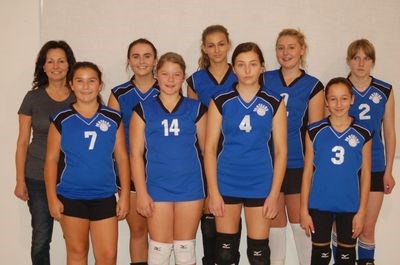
(108, 256)
(77, 255)
(138, 230)
(184, 251)
(227, 249)
(320, 255)
(258, 251)
(368, 233)
(345, 255)
(159, 253)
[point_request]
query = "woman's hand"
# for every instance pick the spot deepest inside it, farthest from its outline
(21, 191)
(216, 205)
(144, 205)
(270, 208)
(56, 208)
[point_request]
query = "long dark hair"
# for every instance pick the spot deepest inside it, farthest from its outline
(90, 65)
(39, 77)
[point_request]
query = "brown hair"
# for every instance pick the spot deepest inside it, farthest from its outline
(204, 61)
(362, 44)
(171, 57)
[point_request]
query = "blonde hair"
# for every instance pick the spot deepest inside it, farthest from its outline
(204, 61)
(172, 57)
(300, 37)
(362, 44)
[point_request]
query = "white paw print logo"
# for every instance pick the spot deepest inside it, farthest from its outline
(103, 125)
(375, 97)
(261, 109)
(352, 140)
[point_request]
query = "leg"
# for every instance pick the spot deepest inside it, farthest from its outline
(346, 245)
(366, 246)
(302, 242)
(258, 251)
(321, 251)
(161, 225)
(208, 232)
(186, 222)
(138, 244)
(277, 234)
(227, 245)
(104, 238)
(76, 235)
(41, 222)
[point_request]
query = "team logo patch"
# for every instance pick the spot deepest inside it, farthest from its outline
(352, 140)
(261, 109)
(103, 125)
(375, 97)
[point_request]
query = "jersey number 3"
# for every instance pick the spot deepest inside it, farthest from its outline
(339, 155)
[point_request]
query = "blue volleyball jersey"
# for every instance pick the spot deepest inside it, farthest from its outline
(244, 165)
(88, 145)
(369, 108)
(337, 162)
(297, 96)
(173, 165)
(204, 84)
(128, 96)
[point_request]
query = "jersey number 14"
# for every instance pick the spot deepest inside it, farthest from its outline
(172, 128)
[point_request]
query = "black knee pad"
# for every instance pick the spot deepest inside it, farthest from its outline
(258, 251)
(226, 249)
(321, 255)
(345, 255)
(208, 225)
(208, 232)
(366, 262)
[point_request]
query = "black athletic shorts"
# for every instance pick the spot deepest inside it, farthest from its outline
(323, 222)
(247, 202)
(93, 210)
(292, 181)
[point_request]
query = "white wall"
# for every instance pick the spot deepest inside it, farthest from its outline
(20, 32)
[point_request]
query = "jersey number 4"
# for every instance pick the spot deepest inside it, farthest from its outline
(92, 135)
(171, 128)
(245, 124)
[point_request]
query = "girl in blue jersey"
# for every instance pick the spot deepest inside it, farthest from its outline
(142, 59)
(167, 137)
(336, 178)
(215, 75)
(304, 100)
(88, 134)
(374, 107)
(243, 174)
(50, 93)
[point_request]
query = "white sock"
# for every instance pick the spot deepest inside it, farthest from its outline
(303, 244)
(277, 245)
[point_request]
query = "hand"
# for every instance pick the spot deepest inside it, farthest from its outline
(388, 182)
(358, 224)
(270, 208)
(122, 207)
(306, 223)
(21, 191)
(145, 205)
(216, 205)
(56, 209)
